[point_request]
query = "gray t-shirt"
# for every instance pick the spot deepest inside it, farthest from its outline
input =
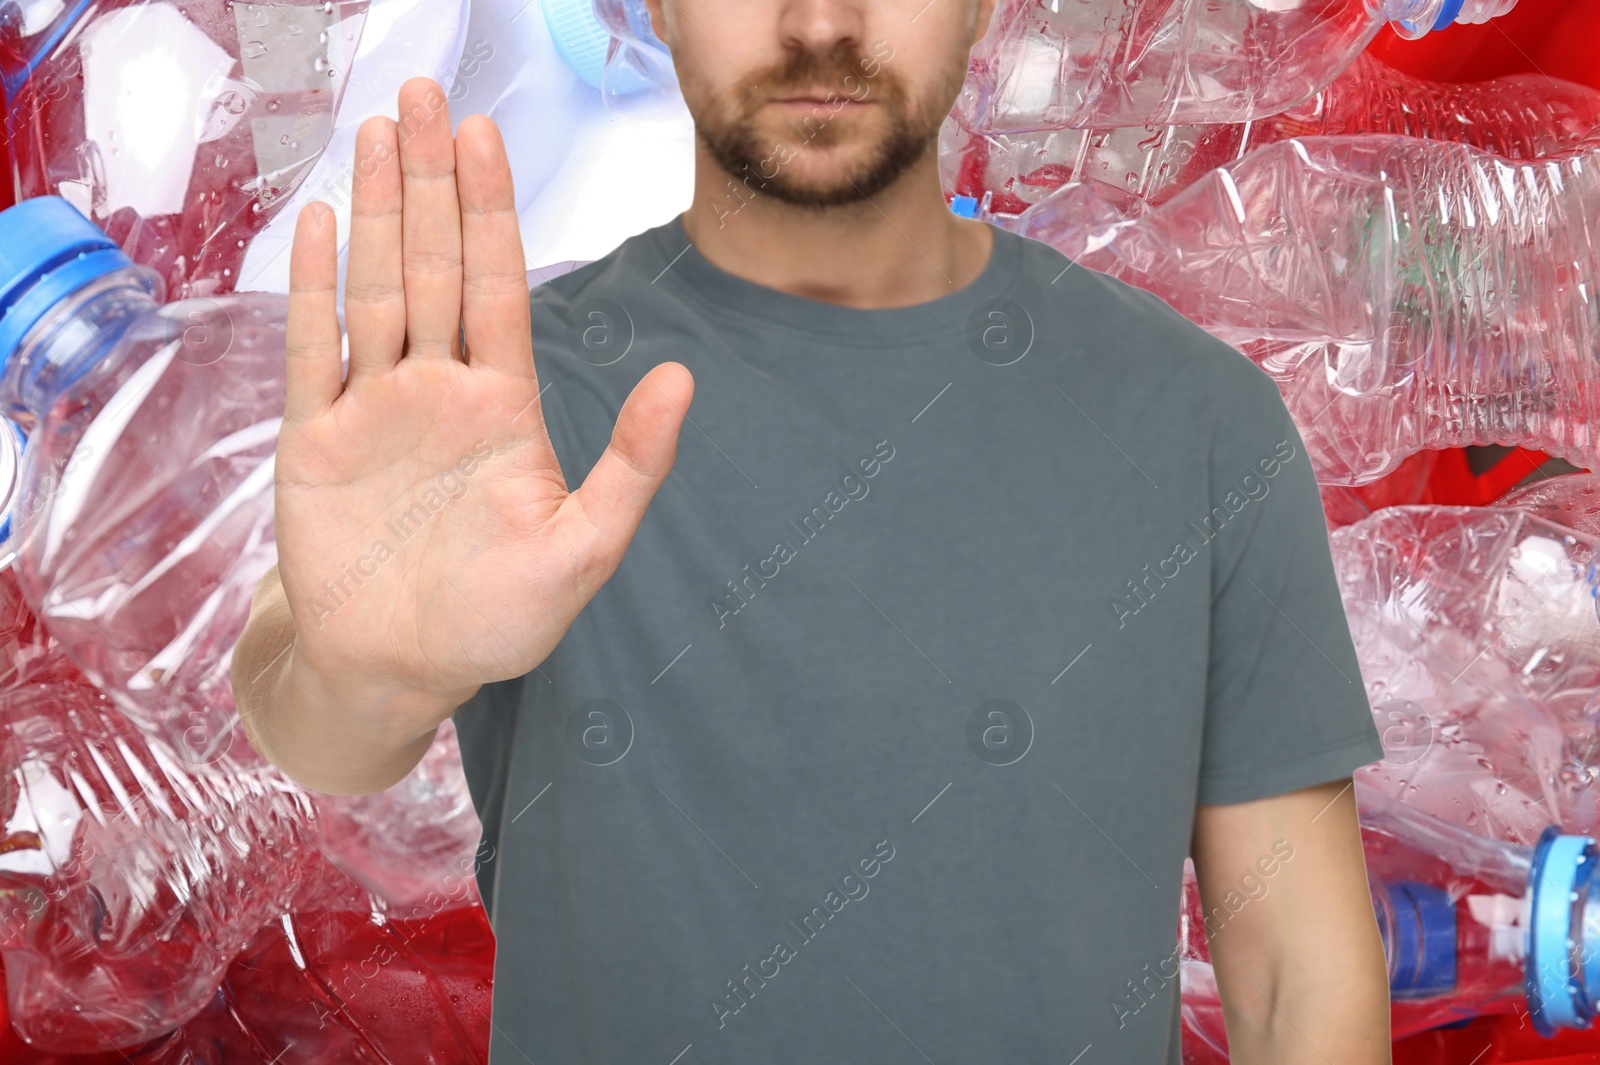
(884, 742)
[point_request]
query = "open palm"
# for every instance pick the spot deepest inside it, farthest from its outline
(426, 537)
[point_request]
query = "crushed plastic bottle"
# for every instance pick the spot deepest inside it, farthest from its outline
(129, 882)
(1572, 500)
(1055, 64)
(145, 502)
(1519, 116)
(1479, 643)
(1404, 293)
(638, 67)
(1470, 926)
(180, 130)
(329, 985)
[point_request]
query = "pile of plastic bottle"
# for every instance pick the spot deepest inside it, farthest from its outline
(1410, 262)
(1399, 255)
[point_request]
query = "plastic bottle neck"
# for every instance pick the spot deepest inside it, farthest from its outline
(71, 339)
(1416, 18)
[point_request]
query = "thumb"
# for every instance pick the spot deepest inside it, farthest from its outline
(643, 446)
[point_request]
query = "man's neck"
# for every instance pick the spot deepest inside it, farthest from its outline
(902, 248)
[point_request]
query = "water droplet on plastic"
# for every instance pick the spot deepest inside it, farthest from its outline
(252, 49)
(219, 160)
(319, 63)
(232, 102)
(272, 105)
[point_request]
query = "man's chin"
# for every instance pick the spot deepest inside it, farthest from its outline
(817, 187)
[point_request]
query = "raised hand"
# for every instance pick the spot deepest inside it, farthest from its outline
(427, 540)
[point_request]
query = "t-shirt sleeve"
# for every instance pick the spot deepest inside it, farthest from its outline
(1286, 707)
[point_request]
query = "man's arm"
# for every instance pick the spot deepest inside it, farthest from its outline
(358, 648)
(340, 739)
(1300, 967)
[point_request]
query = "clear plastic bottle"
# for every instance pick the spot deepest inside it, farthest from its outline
(130, 882)
(1519, 116)
(330, 985)
(1054, 64)
(1479, 641)
(638, 65)
(1572, 500)
(179, 129)
(1470, 926)
(145, 501)
(1404, 293)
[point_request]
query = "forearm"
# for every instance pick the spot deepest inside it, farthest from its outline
(1301, 970)
(332, 736)
(1335, 1008)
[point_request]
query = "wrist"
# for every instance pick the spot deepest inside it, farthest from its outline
(392, 712)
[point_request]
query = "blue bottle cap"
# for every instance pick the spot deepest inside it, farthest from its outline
(584, 43)
(1556, 998)
(965, 206)
(578, 35)
(1423, 953)
(1447, 15)
(48, 250)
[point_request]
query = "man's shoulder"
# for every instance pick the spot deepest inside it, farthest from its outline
(1137, 336)
(565, 284)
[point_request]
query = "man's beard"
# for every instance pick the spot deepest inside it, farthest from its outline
(767, 164)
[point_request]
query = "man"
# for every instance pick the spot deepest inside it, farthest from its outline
(984, 589)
